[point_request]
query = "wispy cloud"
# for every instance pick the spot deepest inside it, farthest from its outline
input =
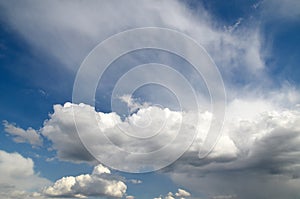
(20, 135)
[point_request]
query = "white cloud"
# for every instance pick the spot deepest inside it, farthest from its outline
(99, 183)
(239, 49)
(135, 181)
(132, 104)
(169, 197)
(254, 148)
(130, 197)
(260, 142)
(259, 137)
(61, 130)
(182, 193)
(22, 136)
(100, 169)
(17, 194)
(16, 171)
(285, 9)
(179, 194)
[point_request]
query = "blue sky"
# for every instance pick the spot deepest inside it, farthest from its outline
(255, 46)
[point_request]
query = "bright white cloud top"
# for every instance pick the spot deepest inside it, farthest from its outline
(264, 139)
(16, 172)
(99, 183)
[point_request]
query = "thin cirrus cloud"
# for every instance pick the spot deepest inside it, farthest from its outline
(65, 26)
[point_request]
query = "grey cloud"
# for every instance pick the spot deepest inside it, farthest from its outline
(20, 135)
(258, 149)
(64, 133)
(267, 156)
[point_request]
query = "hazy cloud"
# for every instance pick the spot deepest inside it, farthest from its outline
(20, 135)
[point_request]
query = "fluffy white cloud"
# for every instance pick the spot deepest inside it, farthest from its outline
(22, 136)
(16, 171)
(130, 197)
(61, 130)
(179, 194)
(99, 183)
(260, 142)
(182, 193)
(169, 197)
(98, 170)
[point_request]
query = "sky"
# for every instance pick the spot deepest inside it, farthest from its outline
(150, 99)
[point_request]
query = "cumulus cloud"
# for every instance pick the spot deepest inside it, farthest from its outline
(260, 142)
(99, 183)
(16, 171)
(98, 170)
(259, 147)
(179, 194)
(62, 131)
(169, 197)
(259, 150)
(23, 136)
(182, 193)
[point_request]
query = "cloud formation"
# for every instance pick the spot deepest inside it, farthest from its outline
(260, 150)
(231, 50)
(260, 143)
(164, 126)
(20, 135)
(259, 146)
(16, 171)
(99, 183)
(181, 193)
